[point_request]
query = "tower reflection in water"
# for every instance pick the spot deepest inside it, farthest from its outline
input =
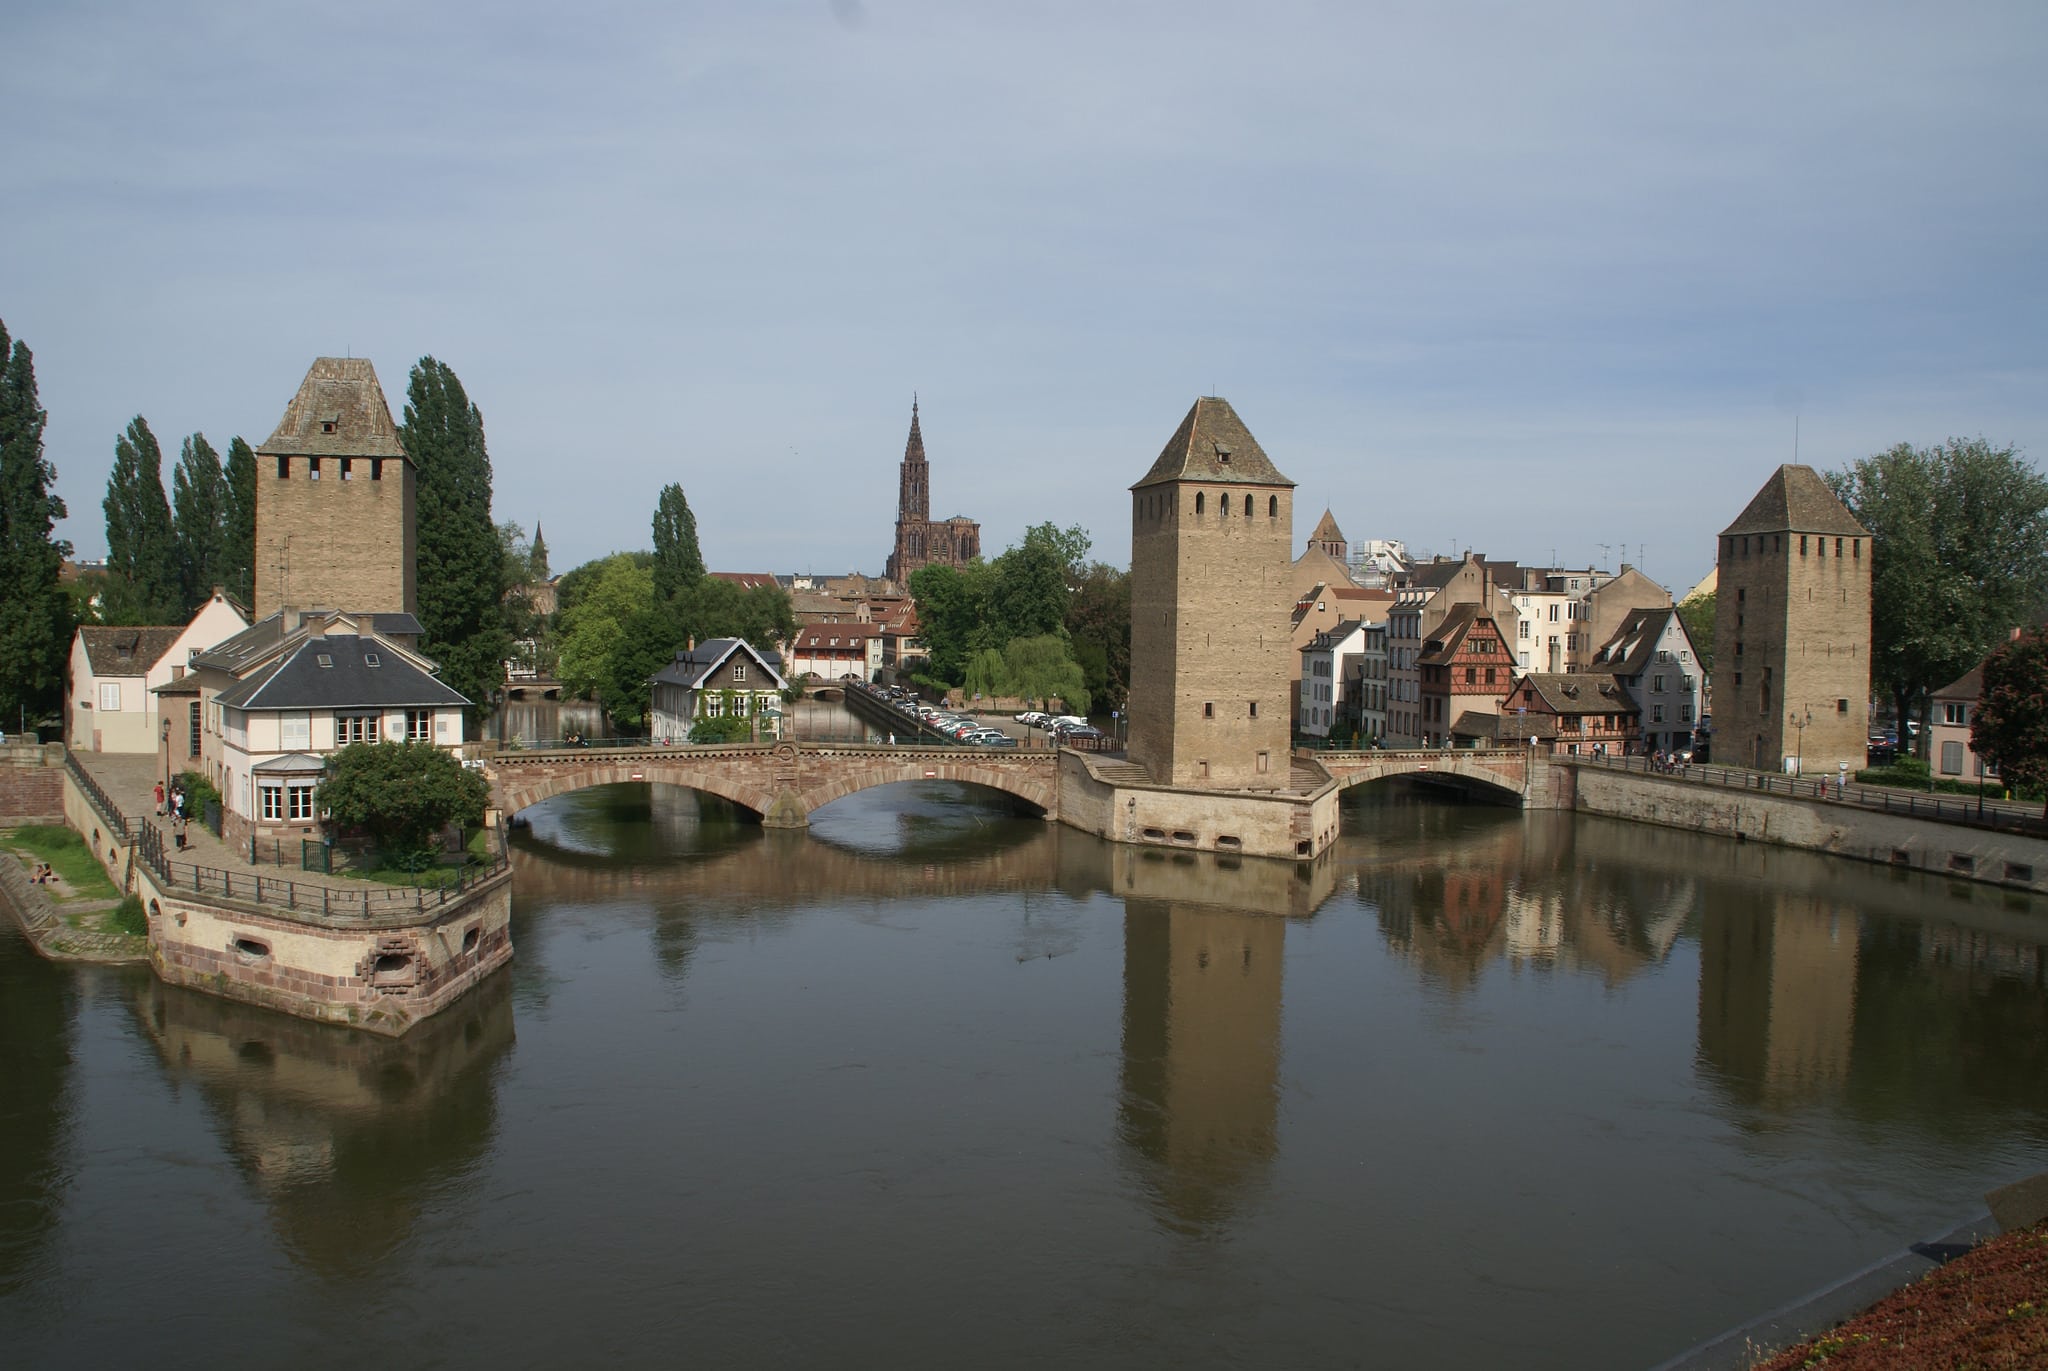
(342, 1134)
(1204, 952)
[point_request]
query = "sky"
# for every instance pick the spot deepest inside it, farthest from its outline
(1549, 281)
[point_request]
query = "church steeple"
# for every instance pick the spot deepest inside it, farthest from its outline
(913, 497)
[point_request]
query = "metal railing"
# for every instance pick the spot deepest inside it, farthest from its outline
(1970, 811)
(367, 901)
(120, 823)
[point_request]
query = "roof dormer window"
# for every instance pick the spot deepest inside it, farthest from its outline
(372, 659)
(324, 659)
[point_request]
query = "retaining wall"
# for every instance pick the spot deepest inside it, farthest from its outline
(1974, 854)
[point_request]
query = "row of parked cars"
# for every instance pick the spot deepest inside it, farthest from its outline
(958, 727)
(1065, 728)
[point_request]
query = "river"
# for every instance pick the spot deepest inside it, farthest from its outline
(935, 1084)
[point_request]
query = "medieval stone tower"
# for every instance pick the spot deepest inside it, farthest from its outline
(1212, 535)
(334, 499)
(1792, 630)
(919, 541)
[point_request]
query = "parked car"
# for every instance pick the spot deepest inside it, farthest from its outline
(1030, 718)
(998, 740)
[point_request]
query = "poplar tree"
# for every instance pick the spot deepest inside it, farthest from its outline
(678, 565)
(238, 498)
(35, 619)
(142, 548)
(460, 564)
(199, 520)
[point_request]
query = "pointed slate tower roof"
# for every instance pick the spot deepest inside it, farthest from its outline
(338, 412)
(1796, 500)
(1212, 444)
(1327, 530)
(913, 449)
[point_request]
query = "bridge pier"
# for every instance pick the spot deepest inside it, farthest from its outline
(788, 810)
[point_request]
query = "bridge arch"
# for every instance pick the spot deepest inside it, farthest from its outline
(522, 791)
(782, 783)
(1032, 789)
(1501, 773)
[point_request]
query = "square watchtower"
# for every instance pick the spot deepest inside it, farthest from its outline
(335, 497)
(1212, 534)
(1792, 630)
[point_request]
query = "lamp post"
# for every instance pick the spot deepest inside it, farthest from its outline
(1799, 720)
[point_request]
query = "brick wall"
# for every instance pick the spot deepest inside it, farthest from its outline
(1210, 640)
(335, 543)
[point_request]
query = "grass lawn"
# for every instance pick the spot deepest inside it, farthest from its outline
(445, 872)
(67, 854)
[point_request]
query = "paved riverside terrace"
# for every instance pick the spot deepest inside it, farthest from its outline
(129, 780)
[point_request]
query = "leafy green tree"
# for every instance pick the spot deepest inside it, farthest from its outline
(1959, 548)
(714, 608)
(647, 642)
(953, 616)
(1099, 625)
(403, 793)
(142, 547)
(1697, 614)
(678, 564)
(35, 614)
(1042, 668)
(608, 593)
(1028, 594)
(460, 564)
(988, 675)
(238, 515)
(1068, 546)
(721, 728)
(578, 581)
(199, 503)
(2010, 730)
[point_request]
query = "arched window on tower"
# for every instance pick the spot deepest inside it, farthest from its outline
(1247, 506)
(1223, 505)
(1198, 504)
(1272, 506)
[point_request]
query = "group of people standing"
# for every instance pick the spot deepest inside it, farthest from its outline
(177, 803)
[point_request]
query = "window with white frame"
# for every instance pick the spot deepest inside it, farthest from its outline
(295, 731)
(299, 800)
(270, 801)
(110, 697)
(419, 725)
(739, 671)
(357, 728)
(1955, 713)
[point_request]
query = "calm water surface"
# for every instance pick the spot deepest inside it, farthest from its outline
(935, 1085)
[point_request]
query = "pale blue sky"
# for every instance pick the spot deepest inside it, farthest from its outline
(1515, 276)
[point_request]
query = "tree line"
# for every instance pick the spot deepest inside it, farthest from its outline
(1040, 622)
(619, 619)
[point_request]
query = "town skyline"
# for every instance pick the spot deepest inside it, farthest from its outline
(725, 250)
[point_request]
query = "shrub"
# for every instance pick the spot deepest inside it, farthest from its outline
(721, 728)
(128, 917)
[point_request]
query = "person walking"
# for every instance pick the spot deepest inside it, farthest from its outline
(159, 799)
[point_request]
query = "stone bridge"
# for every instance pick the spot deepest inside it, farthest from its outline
(1507, 772)
(781, 782)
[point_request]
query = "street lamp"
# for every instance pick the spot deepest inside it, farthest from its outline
(1799, 720)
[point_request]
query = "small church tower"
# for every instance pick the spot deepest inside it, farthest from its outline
(1792, 631)
(335, 499)
(1330, 539)
(1212, 536)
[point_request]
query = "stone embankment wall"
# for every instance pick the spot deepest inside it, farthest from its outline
(31, 784)
(1231, 822)
(1955, 850)
(382, 974)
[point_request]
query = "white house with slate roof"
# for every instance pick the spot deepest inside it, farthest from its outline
(116, 672)
(714, 677)
(277, 698)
